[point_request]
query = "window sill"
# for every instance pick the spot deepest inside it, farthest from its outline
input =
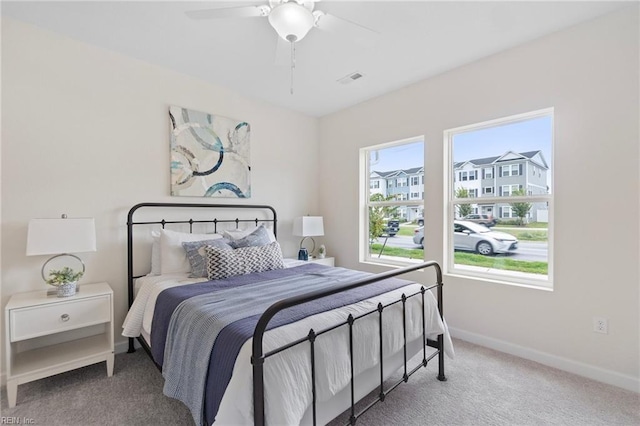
(510, 280)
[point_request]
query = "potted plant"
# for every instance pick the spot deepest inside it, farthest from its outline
(66, 279)
(322, 251)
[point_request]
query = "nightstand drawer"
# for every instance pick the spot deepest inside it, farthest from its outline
(34, 321)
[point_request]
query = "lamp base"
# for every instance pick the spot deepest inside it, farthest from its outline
(309, 252)
(303, 254)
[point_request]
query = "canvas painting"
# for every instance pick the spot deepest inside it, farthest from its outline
(209, 155)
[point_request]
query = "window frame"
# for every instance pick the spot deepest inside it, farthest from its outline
(365, 203)
(450, 203)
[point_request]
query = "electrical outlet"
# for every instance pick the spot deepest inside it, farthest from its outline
(600, 325)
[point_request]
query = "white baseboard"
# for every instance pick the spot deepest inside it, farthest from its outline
(581, 369)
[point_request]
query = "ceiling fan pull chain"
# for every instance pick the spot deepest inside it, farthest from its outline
(293, 63)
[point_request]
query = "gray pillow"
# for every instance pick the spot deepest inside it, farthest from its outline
(197, 255)
(223, 263)
(258, 237)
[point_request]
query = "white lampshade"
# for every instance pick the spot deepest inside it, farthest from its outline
(56, 236)
(308, 226)
(291, 21)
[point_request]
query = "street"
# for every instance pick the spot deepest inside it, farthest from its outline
(527, 250)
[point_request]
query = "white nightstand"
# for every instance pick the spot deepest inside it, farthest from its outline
(329, 261)
(48, 335)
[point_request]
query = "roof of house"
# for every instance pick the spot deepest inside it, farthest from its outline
(394, 173)
(475, 162)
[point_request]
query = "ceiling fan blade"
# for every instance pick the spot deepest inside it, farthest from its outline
(348, 30)
(229, 12)
(283, 52)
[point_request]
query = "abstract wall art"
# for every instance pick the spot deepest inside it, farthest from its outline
(209, 155)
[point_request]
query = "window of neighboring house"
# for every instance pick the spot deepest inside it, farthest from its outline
(506, 212)
(507, 190)
(381, 240)
(463, 176)
(375, 184)
(524, 209)
(390, 184)
(473, 175)
(510, 170)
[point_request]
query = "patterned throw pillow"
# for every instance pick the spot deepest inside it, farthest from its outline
(197, 255)
(223, 263)
(258, 237)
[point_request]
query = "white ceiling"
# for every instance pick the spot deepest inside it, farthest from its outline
(418, 39)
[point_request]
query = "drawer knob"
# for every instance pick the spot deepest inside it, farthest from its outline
(64, 317)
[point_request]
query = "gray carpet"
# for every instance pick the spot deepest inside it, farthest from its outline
(484, 387)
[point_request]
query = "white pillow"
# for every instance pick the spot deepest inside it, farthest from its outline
(155, 253)
(173, 257)
(237, 234)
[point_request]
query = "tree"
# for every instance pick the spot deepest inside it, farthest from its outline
(463, 209)
(521, 210)
(378, 214)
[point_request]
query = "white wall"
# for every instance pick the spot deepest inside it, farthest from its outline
(589, 73)
(85, 131)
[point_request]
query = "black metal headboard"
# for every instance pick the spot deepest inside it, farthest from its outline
(211, 212)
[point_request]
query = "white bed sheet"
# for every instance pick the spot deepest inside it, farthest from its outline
(289, 371)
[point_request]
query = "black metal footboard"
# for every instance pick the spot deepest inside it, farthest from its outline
(258, 357)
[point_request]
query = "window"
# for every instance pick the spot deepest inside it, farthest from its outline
(505, 212)
(389, 221)
(511, 170)
(508, 190)
(517, 249)
(375, 184)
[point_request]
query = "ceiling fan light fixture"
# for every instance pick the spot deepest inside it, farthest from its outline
(291, 21)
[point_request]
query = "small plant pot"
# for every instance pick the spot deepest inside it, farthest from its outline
(67, 289)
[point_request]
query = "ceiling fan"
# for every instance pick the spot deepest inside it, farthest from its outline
(292, 20)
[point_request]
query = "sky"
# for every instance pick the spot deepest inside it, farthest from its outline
(530, 135)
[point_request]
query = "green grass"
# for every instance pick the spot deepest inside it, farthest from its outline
(407, 230)
(499, 262)
(526, 235)
(471, 259)
(528, 225)
(397, 252)
(537, 225)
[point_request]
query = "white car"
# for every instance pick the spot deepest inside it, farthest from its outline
(471, 236)
(475, 237)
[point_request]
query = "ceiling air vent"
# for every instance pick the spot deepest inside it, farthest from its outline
(350, 78)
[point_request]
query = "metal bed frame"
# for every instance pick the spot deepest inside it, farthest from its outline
(259, 357)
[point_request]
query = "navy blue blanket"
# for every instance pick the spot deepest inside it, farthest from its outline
(231, 338)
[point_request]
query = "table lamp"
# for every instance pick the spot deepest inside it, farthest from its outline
(61, 237)
(307, 227)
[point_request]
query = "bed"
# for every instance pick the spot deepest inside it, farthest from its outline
(294, 343)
